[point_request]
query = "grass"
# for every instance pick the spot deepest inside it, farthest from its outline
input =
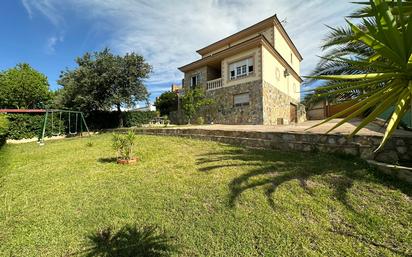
(69, 198)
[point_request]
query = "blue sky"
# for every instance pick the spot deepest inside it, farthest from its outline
(50, 34)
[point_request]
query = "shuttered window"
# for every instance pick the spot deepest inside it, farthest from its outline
(241, 99)
(241, 69)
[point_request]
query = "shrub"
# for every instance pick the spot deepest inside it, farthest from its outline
(166, 120)
(167, 102)
(123, 144)
(131, 119)
(200, 121)
(106, 120)
(30, 125)
(4, 129)
(24, 125)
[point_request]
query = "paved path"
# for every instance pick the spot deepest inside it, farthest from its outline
(371, 130)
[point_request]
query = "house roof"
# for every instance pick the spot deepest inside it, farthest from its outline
(271, 21)
(248, 44)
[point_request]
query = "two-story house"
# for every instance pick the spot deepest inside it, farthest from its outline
(252, 75)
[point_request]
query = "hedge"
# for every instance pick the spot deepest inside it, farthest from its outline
(4, 129)
(131, 119)
(30, 125)
(106, 120)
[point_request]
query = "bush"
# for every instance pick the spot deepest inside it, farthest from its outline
(24, 125)
(131, 119)
(102, 120)
(30, 125)
(106, 120)
(4, 129)
(123, 144)
(200, 121)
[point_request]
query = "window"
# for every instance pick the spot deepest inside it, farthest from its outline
(241, 99)
(241, 69)
(195, 81)
(291, 58)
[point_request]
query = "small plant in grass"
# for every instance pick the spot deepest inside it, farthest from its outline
(200, 121)
(123, 144)
(89, 144)
(167, 122)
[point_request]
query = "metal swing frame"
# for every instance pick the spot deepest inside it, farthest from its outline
(69, 112)
(52, 124)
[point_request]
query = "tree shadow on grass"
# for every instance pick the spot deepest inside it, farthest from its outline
(393, 248)
(147, 241)
(270, 169)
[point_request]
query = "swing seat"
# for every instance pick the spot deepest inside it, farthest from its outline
(77, 115)
(75, 132)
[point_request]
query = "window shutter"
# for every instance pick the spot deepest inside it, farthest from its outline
(241, 99)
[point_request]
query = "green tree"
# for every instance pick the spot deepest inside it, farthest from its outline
(23, 87)
(374, 60)
(167, 102)
(103, 81)
(192, 101)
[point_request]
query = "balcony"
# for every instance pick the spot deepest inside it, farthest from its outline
(214, 84)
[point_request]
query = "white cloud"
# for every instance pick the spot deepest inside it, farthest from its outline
(47, 8)
(51, 44)
(168, 33)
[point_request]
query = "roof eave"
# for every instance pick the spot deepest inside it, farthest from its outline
(256, 41)
(239, 47)
(227, 40)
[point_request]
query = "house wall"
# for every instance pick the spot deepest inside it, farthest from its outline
(227, 113)
(285, 51)
(268, 33)
(276, 106)
(273, 73)
(206, 73)
(271, 93)
(188, 76)
(257, 68)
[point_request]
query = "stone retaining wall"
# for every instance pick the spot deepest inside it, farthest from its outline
(397, 149)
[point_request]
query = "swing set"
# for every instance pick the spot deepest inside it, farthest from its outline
(73, 125)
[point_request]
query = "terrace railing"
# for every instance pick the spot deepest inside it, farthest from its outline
(214, 84)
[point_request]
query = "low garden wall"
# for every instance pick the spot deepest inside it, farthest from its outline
(396, 150)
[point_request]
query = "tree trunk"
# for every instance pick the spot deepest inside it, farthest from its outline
(119, 111)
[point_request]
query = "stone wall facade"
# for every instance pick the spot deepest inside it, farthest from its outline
(205, 73)
(202, 72)
(227, 113)
(277, 106)
(267, 106)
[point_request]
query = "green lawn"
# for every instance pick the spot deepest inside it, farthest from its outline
(205, 198)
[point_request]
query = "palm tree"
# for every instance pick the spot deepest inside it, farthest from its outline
(370, 63)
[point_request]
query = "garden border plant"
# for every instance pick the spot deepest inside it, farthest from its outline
(123, 144)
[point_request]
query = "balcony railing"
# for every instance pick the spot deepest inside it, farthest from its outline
(214, 84)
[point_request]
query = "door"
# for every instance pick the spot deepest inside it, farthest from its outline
(293, 113)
